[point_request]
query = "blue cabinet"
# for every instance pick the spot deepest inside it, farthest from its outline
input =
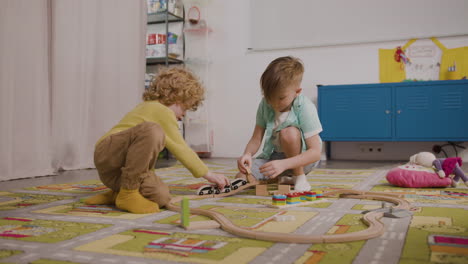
(407, 111)
(355, 112)
(432, 111)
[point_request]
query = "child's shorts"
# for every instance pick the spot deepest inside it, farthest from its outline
(257, 163)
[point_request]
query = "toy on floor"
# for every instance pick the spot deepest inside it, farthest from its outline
(418, 173)
(261, 189)
(293, 199)
(184, 212)
(451, 166)
(185, 218)
(445, 167)
(371, 219)
(278, 199)
(213, 189)
(391, 212)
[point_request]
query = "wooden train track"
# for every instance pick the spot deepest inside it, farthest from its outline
(371, 219)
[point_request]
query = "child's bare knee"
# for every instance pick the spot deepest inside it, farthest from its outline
(290, 135)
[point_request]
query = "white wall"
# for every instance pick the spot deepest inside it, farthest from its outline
(364, 21)
(234, 90)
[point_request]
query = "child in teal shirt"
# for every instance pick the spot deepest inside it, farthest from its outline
(290, 125)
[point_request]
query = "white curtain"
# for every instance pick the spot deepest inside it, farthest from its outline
(98, 67)
(24, 89)
(69, 71)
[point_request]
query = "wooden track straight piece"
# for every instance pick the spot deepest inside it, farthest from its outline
(209, 224)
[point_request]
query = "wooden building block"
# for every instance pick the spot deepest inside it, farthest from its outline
(284, 189)
(185, 212)
(261, 190)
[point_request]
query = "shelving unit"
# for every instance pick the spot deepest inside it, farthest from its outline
(162, 60)
(198, 130)
(195, 127)
(165, 17)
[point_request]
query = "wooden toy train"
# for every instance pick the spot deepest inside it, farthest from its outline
(213, 189)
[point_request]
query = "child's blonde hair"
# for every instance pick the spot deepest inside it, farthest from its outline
(176, 85)
(280, 73)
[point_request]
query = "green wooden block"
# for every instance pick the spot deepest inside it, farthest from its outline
(185, 212)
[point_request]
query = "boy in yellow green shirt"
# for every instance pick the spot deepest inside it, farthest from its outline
(125, 156)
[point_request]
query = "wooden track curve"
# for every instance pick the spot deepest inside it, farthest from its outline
(371, 219)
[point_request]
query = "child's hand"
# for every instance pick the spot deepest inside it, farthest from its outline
(244, 162)
(273, 168)
(219, 179)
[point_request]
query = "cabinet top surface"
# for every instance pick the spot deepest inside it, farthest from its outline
(399, 84)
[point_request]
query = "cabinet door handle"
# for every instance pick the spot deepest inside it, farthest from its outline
(387, 112)
(398, 111)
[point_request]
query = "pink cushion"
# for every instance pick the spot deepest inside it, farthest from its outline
(415, 176)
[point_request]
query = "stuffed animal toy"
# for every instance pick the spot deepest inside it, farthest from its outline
(443, 166)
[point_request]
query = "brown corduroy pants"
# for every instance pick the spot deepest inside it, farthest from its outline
(126, 159)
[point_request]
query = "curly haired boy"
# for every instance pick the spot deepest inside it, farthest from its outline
(126, 155)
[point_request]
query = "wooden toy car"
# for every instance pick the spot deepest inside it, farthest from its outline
(235, 184)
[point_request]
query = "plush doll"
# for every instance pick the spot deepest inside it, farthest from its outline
(444, 166)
